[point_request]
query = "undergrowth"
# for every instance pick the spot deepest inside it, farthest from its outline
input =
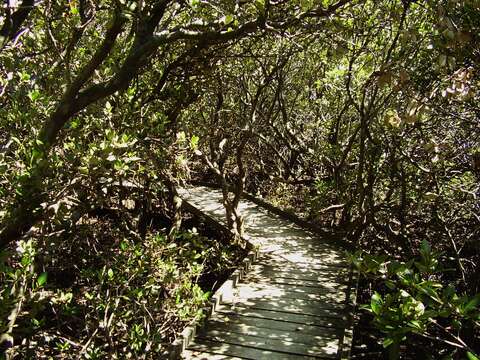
(99, 294)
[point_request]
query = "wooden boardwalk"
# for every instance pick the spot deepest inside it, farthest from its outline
(292, 304)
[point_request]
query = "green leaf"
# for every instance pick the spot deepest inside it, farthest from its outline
(260, 5)
(425, 247)
(33, 95)
(124, 245)
(472, 356)
(376, 303)
(24, 76)
(427, 289)
(42, 279)
(228, 19)
(194, 142)
(415, 324)
(390, 284)
(472, 304)
(110, 273)
(387, 342)
(306, 4)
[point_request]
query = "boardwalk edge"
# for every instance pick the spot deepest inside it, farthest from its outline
(346, 341)
(304, 224)
(175, 350)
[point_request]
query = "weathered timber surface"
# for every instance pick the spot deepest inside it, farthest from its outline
(292, 304)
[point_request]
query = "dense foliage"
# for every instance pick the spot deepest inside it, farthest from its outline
(360, 116)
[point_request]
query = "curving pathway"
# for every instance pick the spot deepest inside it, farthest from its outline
(294, 302)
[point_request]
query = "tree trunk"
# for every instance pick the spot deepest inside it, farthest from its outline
(26, 210)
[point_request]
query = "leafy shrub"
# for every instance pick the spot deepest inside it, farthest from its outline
(413, 298)
(106, 295)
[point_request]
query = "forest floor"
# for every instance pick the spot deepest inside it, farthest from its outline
(109, 297)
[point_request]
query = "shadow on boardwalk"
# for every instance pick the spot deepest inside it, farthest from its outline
(291, 305)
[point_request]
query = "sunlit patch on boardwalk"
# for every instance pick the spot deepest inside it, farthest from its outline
(292, 303)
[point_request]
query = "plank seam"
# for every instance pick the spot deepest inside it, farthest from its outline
(218, 353)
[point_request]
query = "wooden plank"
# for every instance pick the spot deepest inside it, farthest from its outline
(269, 260)
(280, 261)
(298, 259)
(260, 225)
(296, 285)
(300, 319)
(236, 318)
(272, 292)
(290, 238)
(280, 234)
(299, 274)
(290, 305)
(202, 355)
(300, 283)
(219, 327)
(295, 306)
(327, 349)
(296, 275)
(281, 245)
(244, 352)
(321, 288)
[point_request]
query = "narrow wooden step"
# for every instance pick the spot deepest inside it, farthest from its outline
(286, 348)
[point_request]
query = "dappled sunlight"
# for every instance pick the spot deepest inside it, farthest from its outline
(299, 275)
(291, 303)
(266, 342)
(267, 291)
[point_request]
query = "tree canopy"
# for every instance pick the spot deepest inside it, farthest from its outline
(359, 116)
